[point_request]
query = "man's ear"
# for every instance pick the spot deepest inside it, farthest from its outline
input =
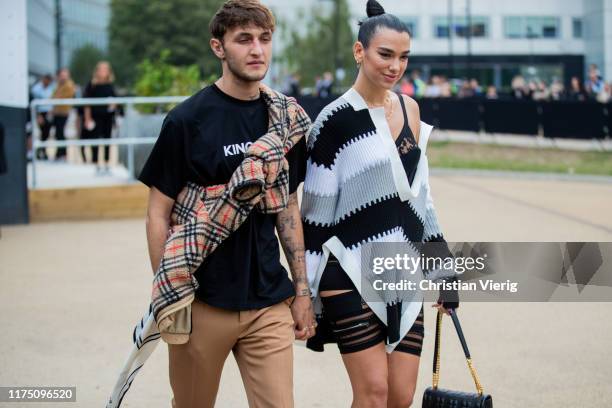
(217, 47)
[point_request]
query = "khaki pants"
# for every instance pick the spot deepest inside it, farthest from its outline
(262, 343)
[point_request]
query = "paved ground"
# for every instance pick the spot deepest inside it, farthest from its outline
(71, 292)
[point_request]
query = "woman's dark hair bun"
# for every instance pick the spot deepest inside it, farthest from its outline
(373, 8)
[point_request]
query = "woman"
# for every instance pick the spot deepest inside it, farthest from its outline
(98, 119)
(65, 89)
(576, 91)
(367, 181)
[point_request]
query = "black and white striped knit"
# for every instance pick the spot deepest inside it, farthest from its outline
(356, 191)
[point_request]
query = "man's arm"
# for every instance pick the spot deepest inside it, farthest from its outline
(158, 224)
(290, 232)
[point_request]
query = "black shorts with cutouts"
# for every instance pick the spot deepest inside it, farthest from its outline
(354, 325)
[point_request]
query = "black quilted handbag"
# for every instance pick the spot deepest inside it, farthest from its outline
(435, 397)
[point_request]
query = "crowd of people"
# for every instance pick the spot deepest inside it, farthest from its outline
(92, 122)
(440, 86)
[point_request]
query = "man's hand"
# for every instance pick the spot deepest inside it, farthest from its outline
(290, 232)
(303, 317)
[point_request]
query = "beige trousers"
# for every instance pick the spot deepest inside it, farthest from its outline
(262, 343)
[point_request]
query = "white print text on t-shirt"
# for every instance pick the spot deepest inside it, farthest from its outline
(237, 148)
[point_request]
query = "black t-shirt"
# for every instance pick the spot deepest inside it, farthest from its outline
(203, 140)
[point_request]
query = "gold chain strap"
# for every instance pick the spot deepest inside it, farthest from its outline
(436, 374)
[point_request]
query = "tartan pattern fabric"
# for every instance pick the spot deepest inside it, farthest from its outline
(202, 217)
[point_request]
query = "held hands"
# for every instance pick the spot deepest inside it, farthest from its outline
(303, 317)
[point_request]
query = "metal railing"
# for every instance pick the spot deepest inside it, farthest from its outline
(130, 142)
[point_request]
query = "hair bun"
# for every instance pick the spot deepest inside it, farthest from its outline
(373, 8)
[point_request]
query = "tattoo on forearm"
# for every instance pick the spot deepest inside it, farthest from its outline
(289, 227)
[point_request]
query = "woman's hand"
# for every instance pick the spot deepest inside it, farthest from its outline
(303, 315)
(441, 308)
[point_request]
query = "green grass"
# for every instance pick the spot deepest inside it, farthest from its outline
(494, 157)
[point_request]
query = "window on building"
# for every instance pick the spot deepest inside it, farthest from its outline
(577, 27)
(412, 23)
(531, 27)
(479, 27)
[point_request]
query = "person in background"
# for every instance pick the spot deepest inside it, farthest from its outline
(64, 89)
(406, 87)
(98, 119)
(43, 89)
(325, 85)
(476, 88)
(492, 92)
(605, 95)
(466, 90)
(419, 84)
(433, 89)
(595, 84)
(445, 88)
(576, 91)
(520, 89)
(557, 90)
(294, 85)
(540, 91)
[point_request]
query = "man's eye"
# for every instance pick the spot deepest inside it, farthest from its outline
(404, 57)
(385, 55)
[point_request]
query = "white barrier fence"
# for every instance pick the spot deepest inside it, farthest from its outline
(130, 142)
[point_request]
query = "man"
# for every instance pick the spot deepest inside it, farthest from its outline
(242, 303)
(65, 89)
(43, 89)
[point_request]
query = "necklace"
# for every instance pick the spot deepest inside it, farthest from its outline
(387, 105)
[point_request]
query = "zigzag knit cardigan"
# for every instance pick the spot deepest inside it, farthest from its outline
(202, 218)
(356, 191)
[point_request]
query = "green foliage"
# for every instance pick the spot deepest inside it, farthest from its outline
(139, 29)
(160, 78)
(328, 41)
(83, 62)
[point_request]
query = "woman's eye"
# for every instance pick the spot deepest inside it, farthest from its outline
(385, 55)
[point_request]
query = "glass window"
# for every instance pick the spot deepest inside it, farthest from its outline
(531, 27)
(412, 23)
(577, 27)
(479, 27)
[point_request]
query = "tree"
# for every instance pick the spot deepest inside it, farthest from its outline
(159, 78)
(139, 29)
(83, 62)
(328, 37)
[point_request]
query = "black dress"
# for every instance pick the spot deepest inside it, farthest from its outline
(101, 115)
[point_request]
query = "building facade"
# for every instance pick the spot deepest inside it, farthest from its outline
(84, 22)
(78, 22)
(40, 16)
(495, 40)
